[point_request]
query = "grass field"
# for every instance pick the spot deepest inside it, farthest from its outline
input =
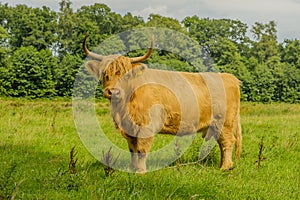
(36, 138)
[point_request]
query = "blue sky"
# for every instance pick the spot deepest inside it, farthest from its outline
(286, 13)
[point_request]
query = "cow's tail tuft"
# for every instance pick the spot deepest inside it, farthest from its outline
(238, 136)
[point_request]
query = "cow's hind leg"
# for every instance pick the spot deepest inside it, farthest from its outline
(226, 143)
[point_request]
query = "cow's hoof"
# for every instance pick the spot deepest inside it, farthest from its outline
(227, 167)
(141, 172)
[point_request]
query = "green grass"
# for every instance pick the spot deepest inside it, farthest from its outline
(36, 138)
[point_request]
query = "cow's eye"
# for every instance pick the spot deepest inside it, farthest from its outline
(126, 76)
(106, 78)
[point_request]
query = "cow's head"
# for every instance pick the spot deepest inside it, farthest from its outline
(110, 69)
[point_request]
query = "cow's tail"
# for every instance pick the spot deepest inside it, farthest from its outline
(238, 136)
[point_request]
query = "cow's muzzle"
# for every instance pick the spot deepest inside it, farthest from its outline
(114, 93)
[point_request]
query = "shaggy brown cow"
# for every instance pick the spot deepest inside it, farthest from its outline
(148, 101)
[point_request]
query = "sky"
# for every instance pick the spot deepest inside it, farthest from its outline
(286, 13)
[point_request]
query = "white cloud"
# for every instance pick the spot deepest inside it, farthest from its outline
(254, 6)
(162, 10)
(52, 4)
(286, 13)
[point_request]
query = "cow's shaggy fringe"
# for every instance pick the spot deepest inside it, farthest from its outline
(121, 65)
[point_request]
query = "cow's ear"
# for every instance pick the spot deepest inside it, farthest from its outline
(93, 68)
(139, 69)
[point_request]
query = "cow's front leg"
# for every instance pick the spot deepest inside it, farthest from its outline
(140, 144)
(134, 160)
(132, 145)
(139, 150)
(143, 148)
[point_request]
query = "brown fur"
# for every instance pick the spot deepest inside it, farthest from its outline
(146, 104)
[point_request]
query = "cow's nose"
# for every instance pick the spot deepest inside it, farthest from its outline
(111, 92)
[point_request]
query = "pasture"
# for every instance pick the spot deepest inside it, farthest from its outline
(37, 160)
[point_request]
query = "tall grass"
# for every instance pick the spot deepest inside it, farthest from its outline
(38, 161)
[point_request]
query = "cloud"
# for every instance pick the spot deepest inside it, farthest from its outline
(285, 12)
(53, 4)
(162, 10)
(263, 6)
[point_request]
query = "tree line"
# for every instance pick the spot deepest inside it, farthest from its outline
(41, 50)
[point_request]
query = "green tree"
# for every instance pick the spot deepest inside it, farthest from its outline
(3, 46)
(130, 22)
(30, 26)
(99, 21)
(222, 39)
(65, 74)
(265, 44)
(286, 80)
(262, 87)
(4, 83)
(67, 23)
(156, 20)
(290, 52)
(31, 73)
(176, 50)
(107, 21)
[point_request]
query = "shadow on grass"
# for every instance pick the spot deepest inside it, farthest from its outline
(26, 170)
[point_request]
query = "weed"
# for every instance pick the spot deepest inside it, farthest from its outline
(68, 179)
(53, 121)
(260, 154)
(73, 161)
(291, 142)
(109, 161)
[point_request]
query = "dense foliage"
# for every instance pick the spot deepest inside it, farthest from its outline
(41, 52)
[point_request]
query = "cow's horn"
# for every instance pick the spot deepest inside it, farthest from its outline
(88, 53)
(146, 56)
